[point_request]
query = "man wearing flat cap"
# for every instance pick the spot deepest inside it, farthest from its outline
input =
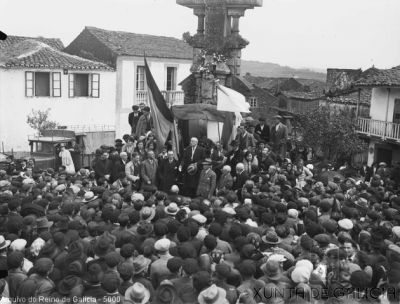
(133, 118)
(279, 136)
(262, 131)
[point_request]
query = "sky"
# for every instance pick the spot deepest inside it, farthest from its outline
(298, 33)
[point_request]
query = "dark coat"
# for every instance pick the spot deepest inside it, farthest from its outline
(103, 167)
(118, 167)
(168, 174)
(144, 125)
(133, 120)
(279, 137)
(262, 134)
(240, 181)
(148, 172)
(233, 158)
(198, 156)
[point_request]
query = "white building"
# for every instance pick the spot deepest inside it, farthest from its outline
(169, 60)
(36, 74)
(382, 127)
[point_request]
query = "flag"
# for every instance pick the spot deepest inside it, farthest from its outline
(231, 101)
(163, 119)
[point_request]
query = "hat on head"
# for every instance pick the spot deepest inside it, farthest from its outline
(207, 161)
(362, 203)
(43, 222)
(272, 269)
(18, 245)
(162, 245)
(346, 224)
(137, 294)
(166, 294)
(301, 274)
(147, 213)
(277, 257)
(322, 239)
(396, 231)
(213, 295)
(140, 264)
(229, 210)
(68, 283)
(89, 196)
(201, 219)
(171, 209)
(4, 243)
(271, 238)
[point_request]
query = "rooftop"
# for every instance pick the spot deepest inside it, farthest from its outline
(32, 53)
(303, 95)
(53, 42)
(374, 77)
(131, 44)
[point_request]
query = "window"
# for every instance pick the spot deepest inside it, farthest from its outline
(42, 84)
(253, 102)
(171, 78)
(84, 85)
(140, 78)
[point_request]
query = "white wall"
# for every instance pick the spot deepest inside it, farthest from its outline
(379, 101)
(126, 83)
(14, 106)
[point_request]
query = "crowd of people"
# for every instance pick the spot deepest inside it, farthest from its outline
(254, 224)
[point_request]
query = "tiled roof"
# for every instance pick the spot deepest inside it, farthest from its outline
(303, 95)
(374, 77)
(34, 54)
(351, 97)
(130, 44)
(53, 42)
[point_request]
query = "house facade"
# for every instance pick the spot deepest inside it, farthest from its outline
(36, 75)
(169, 60)
(382, 127)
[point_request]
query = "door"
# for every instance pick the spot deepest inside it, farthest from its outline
(396, 111)
(384, 155)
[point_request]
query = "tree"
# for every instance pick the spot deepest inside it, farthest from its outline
(333, 133)
(39, 120)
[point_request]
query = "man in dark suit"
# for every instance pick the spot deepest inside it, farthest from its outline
(280, 135)
(234, 156)
(119, 166)
(262, 131)
(168, 172)
(240, 179)
(133, 118)
(148, 170)
(192, 157)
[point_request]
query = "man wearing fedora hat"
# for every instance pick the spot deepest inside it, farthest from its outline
(207, 180)
(234, 156)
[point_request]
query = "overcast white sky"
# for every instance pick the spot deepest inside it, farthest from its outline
(297, 33)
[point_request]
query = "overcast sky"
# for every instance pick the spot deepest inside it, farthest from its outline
(297, 33)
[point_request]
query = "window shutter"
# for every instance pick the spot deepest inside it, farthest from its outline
(95, 85)
(56, 84)
(71, 87)
(29, 84)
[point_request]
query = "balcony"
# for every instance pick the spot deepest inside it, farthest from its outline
(379, 128)
(172, 98)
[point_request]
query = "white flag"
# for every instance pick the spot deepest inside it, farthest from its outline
(231, 101)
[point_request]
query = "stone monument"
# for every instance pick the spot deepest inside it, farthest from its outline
(216, 46)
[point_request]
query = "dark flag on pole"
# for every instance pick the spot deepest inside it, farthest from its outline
(163, 118)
